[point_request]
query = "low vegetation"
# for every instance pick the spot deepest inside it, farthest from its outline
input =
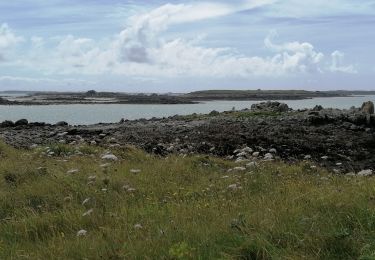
(69, 204)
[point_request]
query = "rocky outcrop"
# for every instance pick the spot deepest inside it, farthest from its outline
(7, 123)
(21, 122)
(270, 106)
(343, 140)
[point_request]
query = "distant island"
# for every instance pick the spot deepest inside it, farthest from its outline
(94, 97)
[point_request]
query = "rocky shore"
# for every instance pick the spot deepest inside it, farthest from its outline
(341, 140)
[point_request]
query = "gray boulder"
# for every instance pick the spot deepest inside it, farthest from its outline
(317, 108)
(214, 113)
(21, 122)
(61, 123)
(7, 123)
(270, 107)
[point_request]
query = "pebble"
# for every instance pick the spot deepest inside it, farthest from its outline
(62, 134)
(234, 187)
(138, 226)
(110, 157)
(256, 154)
(365, 173)
(268, 156)
(81, 233)
(33, 146)
(72, 171)
(252, 165)
(273, 151)
(135, 171)
(92, 178)
(247, 150)
(239, 169)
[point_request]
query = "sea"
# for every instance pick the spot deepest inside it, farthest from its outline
(84, 114)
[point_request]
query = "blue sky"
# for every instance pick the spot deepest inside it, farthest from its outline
(180, 46)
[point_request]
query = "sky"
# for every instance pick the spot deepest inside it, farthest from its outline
(182, 46)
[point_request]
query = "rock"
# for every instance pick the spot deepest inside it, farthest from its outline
(252, 165)
(270, 107)
(239, 169)
(241, 160)
(268, 156)
(110, 157)
(135, 171)
(112, 140)
(138, 226)
(247, 150)
(234, 187)
(214, 113)
(21, 122)
(242, 154)
(7, 123)
(256, 154)
(61, 123)
(81, 233)
(62, 134)
(368, 107)
(317, 108)
(273, 151)
(73, 171)
(365, 173)
(105, 165)
(33, 146)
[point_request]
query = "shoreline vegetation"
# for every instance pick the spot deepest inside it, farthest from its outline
(93, 97)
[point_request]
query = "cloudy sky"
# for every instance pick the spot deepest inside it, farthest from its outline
(179, 46)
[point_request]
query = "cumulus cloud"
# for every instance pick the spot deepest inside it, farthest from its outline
(338, 66)
(8, 40)
(9, 82)
(140, 50)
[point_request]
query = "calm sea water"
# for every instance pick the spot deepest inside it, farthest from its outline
(96, 113)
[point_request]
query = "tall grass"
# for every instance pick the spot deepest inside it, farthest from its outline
(178, 208)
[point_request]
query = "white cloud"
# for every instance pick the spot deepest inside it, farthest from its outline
(10, 82)
(337, 64)
(7, 37)
(141, 51)
(8, 40)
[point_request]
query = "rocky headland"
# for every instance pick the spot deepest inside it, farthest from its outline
(341, 140)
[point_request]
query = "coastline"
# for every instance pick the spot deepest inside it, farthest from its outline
(341, 140)
(92, 97)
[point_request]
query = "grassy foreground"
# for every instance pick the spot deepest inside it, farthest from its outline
(178, 208)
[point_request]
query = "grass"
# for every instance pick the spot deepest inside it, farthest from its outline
(178, 208)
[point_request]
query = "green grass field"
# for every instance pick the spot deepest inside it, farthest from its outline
(178, 208)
